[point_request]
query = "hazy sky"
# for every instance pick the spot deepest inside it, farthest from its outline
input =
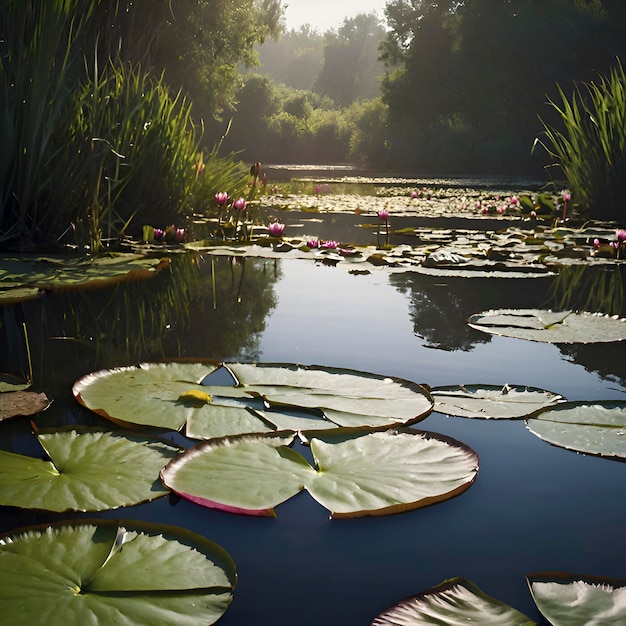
(325, 14)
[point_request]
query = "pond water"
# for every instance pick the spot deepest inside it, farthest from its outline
(534, 507)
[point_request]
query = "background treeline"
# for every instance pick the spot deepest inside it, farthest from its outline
(455, 87)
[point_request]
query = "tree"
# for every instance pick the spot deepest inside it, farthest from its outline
(202, 43)
(474, 75)
(351, 67)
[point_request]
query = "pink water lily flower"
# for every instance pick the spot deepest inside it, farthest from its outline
(221, 197)
(276, 229)
(383, 215)
(313, 243)
(240, 204)
(330, 245)
(621, 235)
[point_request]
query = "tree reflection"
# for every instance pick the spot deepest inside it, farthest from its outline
(202, 307)
(440, 306)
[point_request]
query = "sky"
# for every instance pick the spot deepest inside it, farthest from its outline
(325, 14)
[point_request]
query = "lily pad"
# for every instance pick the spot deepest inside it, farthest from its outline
(571, 600)
(359, 472)
(88, 470)
(492, 401)
(454, 602)
(9, 382)
(591, 427)
(260, 397)
(24, 278)
(109, 572)
(19, 403)
(550, 326)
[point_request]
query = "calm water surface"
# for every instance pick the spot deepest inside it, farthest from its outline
(533, 507)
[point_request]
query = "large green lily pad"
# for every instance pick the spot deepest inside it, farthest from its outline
(492, 401)
(257, 398)
(571, 600)
(359, 472)
(591, 427)
(550, 326)
(454, 602)
(88, 470)
(107, 572)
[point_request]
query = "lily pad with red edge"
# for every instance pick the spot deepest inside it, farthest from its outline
(253, 474)
(453, 602)
(550, 326)
(597, 427)
(113, 572)
(84, 469)
(259, 397)
(492, 401)
(20, 403)
(569, 599)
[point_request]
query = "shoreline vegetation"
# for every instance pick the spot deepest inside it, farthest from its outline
(117, 116)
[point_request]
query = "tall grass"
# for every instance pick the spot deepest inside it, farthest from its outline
(92, 144)
(138, 146)
(37, 62)
(591, 150)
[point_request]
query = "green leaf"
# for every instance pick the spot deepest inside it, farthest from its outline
(358, 472)
(262, 397)
(591, 427)
(109, 572)
(88, 470)
(550, 326)
(571, 600)
(454, 602)
(492, 401)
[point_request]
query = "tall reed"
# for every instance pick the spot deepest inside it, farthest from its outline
(591, 150)
(37, 61)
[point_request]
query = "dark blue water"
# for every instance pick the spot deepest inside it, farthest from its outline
(533, 507)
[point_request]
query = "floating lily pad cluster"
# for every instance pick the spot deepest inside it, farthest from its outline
(26, 278)
(355, 424)
(592, 427)
(563, 599)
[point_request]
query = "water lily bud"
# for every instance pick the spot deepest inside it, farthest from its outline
(383, 215)
(221, 198)
(276, 229)
(240, 204)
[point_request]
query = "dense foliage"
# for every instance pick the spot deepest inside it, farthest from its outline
(96, 134)
(474, 75)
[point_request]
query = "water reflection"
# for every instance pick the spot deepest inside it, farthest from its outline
(439, 307)
(201, 307)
